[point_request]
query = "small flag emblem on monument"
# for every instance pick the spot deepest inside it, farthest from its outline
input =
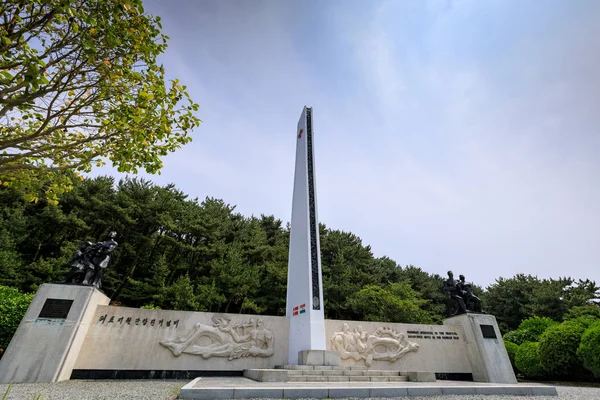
(295, 310)
(302, 308)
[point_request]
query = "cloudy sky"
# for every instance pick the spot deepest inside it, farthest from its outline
(457, 135)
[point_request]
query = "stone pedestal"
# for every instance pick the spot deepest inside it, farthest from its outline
(485, 348)
(47, 342)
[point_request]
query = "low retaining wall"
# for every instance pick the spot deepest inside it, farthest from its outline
(123, 338)
(162, 343)
(69, 332)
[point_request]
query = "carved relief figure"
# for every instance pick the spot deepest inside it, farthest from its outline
(249, 339)
(384, 344)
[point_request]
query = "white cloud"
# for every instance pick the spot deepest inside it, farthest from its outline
(461, 137)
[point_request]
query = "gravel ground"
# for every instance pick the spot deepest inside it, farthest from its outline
(168, 390)
(96, 390)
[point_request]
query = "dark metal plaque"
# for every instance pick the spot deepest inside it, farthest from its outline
(314, 226)
(56, 308)
(488, 331)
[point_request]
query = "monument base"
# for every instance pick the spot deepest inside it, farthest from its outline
(244, 388)
(47, 342)
(485, 348)
(319, 357)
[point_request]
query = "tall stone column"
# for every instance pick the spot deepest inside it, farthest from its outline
(305, 288)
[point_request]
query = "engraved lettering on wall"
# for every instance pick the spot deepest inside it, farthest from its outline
(223, 339)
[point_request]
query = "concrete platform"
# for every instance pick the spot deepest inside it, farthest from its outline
(329, 374)
(243, 388)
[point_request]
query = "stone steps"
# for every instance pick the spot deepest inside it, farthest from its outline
(325, 375)
(345, 373)
(333, 378)
(320, 367)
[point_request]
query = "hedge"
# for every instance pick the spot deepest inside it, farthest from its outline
(13, 305)
(529, 330)
(589, 349)
(527, 360)
(511, 349)
(580, 311)
(584, 321)
(558, 349)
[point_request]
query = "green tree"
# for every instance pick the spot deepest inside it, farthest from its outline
(151, 289)
(396, 303)
(522, 296)
(509, 300)
(347, 266)
(10, 260)
(547, 299)
(238, 279)
(430, 288)
(591, 310)
(80, 83)
(181, 295)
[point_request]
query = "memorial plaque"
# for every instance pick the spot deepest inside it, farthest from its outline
(488, 331)
(56, 308)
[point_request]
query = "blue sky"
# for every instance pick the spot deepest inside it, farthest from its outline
(455, 135)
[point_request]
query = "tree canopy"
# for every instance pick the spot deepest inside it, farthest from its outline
(80, 86)
(181, 253)
(515, 299)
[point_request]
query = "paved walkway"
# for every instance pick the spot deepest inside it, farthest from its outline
(168, 390)
(243, 388)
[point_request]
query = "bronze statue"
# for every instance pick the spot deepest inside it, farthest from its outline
(461, 295)
(473, 302)
(90, 261)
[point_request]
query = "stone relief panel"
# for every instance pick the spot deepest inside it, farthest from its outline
(224, 339)
(383, 344)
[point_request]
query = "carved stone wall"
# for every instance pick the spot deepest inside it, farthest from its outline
(384, 344)
(121, 338)
(130, 338)
(403, 347)
(247, 339)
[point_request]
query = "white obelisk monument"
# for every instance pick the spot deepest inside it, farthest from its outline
(305, 287)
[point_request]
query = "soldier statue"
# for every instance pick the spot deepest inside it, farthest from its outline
(473, 302)
(461, 295)
(90, 261)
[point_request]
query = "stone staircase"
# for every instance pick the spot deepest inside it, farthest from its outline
(321, 373)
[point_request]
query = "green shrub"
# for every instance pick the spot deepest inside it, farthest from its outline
(589, 349)
(558, 349)
(150, 307)
(13, 305)
(580, 311)
(519, 337)
(511, 349)
(584, 321)
(537, 325)
(529, 330)
(528, 361)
